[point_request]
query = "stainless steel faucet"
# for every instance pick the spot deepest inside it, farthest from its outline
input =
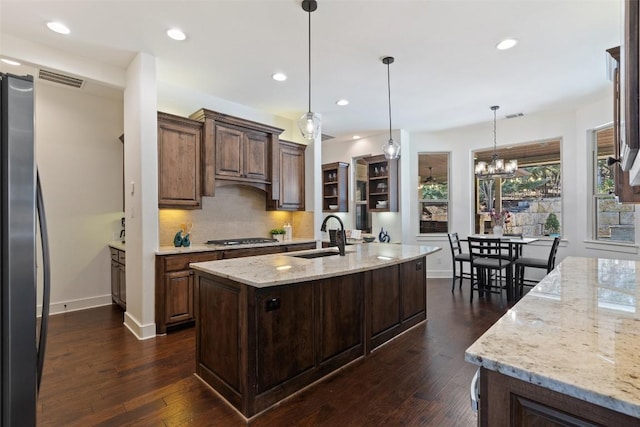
(341, 237)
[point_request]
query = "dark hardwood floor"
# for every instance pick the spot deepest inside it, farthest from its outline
(98, 374)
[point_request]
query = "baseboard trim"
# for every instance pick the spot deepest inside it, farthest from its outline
(439, 274)
(142, 332)
(75, 305)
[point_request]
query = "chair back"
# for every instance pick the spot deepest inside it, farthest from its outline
(495, 248)
(454, 244)
(552, 254)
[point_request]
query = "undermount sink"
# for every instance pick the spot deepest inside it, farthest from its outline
(311, 255)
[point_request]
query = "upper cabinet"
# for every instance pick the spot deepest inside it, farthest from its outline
(291, 160)
(625, 192)
(383, 184)
(179, 148)
(240, 151)
(335, 187)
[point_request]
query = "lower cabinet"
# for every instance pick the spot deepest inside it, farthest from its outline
(398, 299)
(174, 280)
(507, 401)
(118, 278)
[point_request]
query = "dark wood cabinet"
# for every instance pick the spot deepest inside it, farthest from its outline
(292, 181)
(507, 401)
(175, 286)
(283, 313)
(240, 151)
(242, 154)
(335, 187)
(179, 166)
(383, 184)
(626, 193)
(397, 298)
(256, 346)
(118, 278)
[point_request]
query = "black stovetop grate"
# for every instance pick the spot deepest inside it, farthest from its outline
(242, 241)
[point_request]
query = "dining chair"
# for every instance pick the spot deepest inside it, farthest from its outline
(524, 262)
(489, 256)
(458, 256)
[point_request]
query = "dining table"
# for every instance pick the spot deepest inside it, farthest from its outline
(516, 243)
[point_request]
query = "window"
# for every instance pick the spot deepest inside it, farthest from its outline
(533, 196)
(433, 192)
(613, 221)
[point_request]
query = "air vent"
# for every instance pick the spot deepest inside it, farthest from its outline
(513, 116)
(60, 78)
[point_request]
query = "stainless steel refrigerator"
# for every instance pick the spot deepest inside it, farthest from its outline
(23, 336)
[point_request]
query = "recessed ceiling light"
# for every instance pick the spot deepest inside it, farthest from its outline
(506, 44)
(176, 34)
(342, 102)
(279, 77)
(356, 137)
(9, 61)
(58, 27)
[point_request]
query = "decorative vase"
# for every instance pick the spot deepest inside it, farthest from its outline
(497, 230)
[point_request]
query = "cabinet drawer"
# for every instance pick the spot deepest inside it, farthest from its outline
(181, 262)
(238, 253)
(301, 246)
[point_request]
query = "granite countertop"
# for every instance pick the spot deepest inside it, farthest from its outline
(281, 269)
(117, 244)
(577, 332)
(195, 247)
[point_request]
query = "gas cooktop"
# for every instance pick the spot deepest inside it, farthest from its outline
(242, 241)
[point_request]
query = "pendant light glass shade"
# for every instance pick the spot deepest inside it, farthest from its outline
(391, 150)
(309, 123)
(497, 168)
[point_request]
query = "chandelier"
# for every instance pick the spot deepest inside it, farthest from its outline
(498, 168)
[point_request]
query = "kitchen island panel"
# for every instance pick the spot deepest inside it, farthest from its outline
(384, 286)
(341, 312)
(285, 334)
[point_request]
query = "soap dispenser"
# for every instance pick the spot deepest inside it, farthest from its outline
(288, 232)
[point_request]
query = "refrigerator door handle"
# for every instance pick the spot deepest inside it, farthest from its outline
(46, 276)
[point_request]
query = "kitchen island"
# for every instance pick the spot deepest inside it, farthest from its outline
(567, 353)
(268, 326)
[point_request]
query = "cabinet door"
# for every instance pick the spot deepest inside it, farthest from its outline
(179, 296)
(291, 177)
(122, 286)
(385, 299)
(413, 289)
(179, 145)
(340, 320)
(284, 312)
(115, 282)
(256, 158)
(229, 151)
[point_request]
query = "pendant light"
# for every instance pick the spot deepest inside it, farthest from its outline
(498, 168)
(309, 123)
(391, 149)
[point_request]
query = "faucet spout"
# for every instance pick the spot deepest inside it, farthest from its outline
(341, 238)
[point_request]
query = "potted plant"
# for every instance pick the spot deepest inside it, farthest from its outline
(552, 225)
(278, 234)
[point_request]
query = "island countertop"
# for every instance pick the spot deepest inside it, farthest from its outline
(577, 332)
(281, 269)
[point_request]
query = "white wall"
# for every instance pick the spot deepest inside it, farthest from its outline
(80, 162)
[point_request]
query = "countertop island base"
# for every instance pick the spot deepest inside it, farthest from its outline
(258, 345)
(507, 401)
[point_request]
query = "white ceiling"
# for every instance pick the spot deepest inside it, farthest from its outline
(447, 70)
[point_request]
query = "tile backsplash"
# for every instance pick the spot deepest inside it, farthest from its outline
(235, 211)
